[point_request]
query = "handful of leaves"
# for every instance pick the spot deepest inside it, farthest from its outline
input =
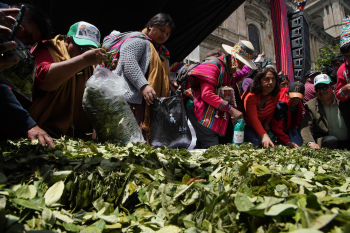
(107, 109)
(111, 61)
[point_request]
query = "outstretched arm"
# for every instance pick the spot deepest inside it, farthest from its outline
(61, 72)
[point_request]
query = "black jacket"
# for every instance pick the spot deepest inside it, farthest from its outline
(12, 115)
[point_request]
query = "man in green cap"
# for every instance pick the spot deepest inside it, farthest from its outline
(63, 66)
(326, 120)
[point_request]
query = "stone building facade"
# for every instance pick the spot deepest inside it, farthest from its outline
(252, 21)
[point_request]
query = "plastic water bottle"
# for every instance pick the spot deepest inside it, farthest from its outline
(238, 132)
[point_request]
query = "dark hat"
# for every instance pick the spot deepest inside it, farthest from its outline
(297, 89)
(311, 72)
(283, 77)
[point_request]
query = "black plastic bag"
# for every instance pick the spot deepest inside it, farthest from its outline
(169, 123)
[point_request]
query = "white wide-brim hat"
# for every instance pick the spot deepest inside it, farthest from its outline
(243, 51)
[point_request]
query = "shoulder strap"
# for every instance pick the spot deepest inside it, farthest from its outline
(263, 102)
(184, 70)
(182, 76)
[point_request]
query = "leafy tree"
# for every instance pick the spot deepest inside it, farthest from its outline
(325, 56)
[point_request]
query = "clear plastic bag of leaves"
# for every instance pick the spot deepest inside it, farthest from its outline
(20, 77)
(107, 109)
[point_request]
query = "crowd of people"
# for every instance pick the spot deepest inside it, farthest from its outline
(275, 111)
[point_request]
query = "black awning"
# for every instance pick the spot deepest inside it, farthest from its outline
(194, 19)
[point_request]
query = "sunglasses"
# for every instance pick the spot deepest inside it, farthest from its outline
(317, 89)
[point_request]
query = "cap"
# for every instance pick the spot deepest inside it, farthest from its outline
(322, 78)
(311, 72)
(297, 89)
(243, 51)
(283, 77)
(345, 32)
(85, 34)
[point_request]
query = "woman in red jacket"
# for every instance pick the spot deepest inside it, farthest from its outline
(259, 104)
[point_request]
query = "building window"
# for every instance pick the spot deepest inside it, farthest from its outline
(254, 37)
(193, 57)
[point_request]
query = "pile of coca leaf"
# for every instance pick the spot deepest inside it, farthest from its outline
(81, 186)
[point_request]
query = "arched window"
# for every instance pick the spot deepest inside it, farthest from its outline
(254, 37)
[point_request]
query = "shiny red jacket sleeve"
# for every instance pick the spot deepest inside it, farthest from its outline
(341, 82)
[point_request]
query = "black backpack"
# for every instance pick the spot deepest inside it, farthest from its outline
(182, 78)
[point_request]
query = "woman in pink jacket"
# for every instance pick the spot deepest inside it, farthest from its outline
(211, 114)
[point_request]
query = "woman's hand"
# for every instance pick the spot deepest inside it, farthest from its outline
(94, 56)
(149, 94)
(174, 86)
(266, 126)
(314, 145)
(346, 89)
(9, 61)
(114, 64)
(235, 114)
(266, 141)
(37, 133)
(292, 145)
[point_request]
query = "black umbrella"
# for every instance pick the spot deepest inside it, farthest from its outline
(194, 19)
